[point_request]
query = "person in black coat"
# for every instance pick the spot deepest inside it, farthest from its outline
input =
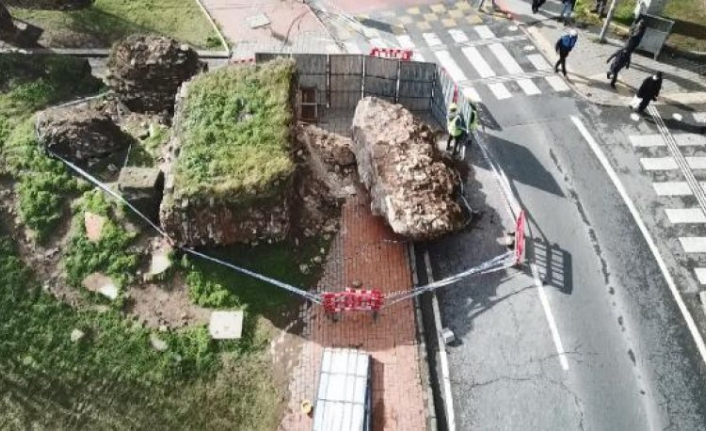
(536, 4)
(621, 58)
(649, 90)
(636, 33)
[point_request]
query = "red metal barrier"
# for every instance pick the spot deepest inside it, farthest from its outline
(402, 54)
(520, 238)
(352, 300)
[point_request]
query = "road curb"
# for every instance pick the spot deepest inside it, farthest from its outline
(432, 424)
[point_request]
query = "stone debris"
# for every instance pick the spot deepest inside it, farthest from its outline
(157, 343)
(410, 183)
(94, 225)
(330, 158)
(147, 70)
(80, 133)
(77, 335)
(143, 188)
(226, 325)
(100, 283)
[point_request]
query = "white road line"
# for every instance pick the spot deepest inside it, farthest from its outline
(432, 39)
(352, 48)
(500, 91)
(658, 163)
(700, 275)
(450, 65)
(478, 62)
(672, 188)
(685, 215)
(550, 318)
(656, 140)
(445, 375)
(528, 87)
(463, 152)
(458, 36)
(471, 94)
(668, 163)
(693, 244)
(506, 59)
(484, 32)
(557, 83)
(539, 62)
(646, 234)
(405, 41)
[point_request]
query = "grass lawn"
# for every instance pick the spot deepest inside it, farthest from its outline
(689, 31)
(110, 20)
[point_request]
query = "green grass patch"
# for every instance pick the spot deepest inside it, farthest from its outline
(28, 84)
(216, 286)
(235, 133)
(110, 255)
(113, 378)
(110, 20)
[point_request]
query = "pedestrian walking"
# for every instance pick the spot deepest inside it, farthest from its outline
(600, 7)
(456, 128)
(637, 31)
(536, 4)
(566, 11)
(563, 47)
(492, 4)
(649, 91)
(621, 58)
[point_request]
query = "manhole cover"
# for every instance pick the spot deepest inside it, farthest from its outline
(259, 20)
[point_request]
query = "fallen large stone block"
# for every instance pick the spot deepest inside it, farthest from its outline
(80, 133)
(409, 182)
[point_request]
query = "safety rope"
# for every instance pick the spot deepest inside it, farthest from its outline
(96, 182)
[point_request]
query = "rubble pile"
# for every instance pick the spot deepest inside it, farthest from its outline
(329, 157)
(80, 133)
(410, 184)
(146, 71)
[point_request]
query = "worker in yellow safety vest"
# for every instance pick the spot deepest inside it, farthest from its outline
(458, 133)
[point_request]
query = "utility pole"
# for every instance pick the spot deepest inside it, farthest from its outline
(607, 21)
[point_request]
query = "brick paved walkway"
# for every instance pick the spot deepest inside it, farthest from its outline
(366, 250)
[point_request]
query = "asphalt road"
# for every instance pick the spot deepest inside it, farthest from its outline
(601, 345)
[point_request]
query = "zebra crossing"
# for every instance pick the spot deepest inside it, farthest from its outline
(479, 61)
(674, 191)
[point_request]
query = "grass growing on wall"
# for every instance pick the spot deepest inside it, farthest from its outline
(235, 132)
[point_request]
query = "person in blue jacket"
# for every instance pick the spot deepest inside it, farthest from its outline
(563, 47)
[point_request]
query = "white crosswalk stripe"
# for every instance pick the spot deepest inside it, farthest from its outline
(478, 62)
(693, 244)
(458, 36)
(528, 87)
(656, 140)
(672, 188)
(685, 215)
(406, 42)
(432, 39)
(669, 164)
(539, 62)
(500, 91)
(506, 59)
(471, 94)
(450, 66)
(557, 83)
(700, 275)
(484, 32)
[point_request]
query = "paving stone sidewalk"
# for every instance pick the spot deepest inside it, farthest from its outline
(365, 250)
(587, 63)
(285, 26)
